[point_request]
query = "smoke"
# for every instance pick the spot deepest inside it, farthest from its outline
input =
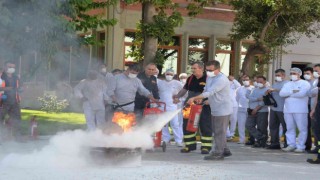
(71, 149)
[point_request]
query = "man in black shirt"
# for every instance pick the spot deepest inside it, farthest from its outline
(194, 86)
(315, 116)
(149, 81)
(11, 98)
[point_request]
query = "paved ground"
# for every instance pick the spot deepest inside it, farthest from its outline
(246, 163)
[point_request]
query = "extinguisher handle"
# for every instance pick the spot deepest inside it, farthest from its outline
(158, 103)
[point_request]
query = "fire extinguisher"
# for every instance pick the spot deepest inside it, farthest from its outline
(194, 117)
(34, 127)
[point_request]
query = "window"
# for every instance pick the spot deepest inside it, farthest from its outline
(197, 51)
(225, 55)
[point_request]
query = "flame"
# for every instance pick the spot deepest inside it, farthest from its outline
(125, 121)
(186, 112)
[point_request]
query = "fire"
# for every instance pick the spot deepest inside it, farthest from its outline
(186, 112)
(125, 121)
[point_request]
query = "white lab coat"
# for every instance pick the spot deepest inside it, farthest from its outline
(296, 112)
(166, 90)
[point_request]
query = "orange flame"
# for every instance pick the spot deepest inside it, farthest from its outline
(186, 112)
(125, 121)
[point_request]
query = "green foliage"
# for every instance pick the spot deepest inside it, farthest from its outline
(51, 104)
(274, 22)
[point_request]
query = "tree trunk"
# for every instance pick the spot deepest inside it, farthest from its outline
(150, 44)
(253, 50)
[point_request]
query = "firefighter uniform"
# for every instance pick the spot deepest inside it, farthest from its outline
(195, 87)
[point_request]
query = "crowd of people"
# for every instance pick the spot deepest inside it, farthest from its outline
(265, 110)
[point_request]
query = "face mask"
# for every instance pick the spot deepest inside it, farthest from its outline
(183, 81)
(278, 78)
(169, 78)
(255, 84)
(307, 77)
(132, 75)
(260, 85)
(294, 77)
(155, 76)
(210, 74)
(246, 83)
(316, 74)
(11, 70)
(103, 70)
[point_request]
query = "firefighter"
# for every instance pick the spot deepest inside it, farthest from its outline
(194, 86)
(11, 98)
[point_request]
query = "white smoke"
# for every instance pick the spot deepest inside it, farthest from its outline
(70, 149)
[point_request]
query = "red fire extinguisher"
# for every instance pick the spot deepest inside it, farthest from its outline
(194, 117)
(34, 127)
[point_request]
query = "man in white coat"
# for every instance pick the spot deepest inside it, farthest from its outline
(243, 104)
(168, 88)
(92, 92)
(296, 110)
(234, 85)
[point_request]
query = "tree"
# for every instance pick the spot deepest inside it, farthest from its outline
(273, 23)
(159, 18)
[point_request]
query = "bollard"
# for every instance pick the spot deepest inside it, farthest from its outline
(34, 127)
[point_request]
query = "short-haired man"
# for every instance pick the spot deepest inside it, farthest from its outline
(243, 103)
(149, 81)
(276, 113)
(124, 87)
(167, 88)
(308, 76)
(315, 115)
(11, 98)
(295, 110)
(257, 122)
(217, 90)
(194, 86)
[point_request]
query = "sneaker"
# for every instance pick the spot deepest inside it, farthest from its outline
(313, 161)
(179, 144)
(204, 151)
(256, 145)
(289, 149)
(299, 151)
(214, 157)
(230, 138)
(249, 143)
(227, 153)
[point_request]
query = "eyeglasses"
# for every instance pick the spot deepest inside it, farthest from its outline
(208, 70)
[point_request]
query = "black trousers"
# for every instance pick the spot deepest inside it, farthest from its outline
(309, 138)
(14, 113)
(277, 118)
(205, 131)
(317, 126)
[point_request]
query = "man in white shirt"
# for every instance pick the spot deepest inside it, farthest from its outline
(243, 104)
(234, 85)
(168, 88)
(296, 110)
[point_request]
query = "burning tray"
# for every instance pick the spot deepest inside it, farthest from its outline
(116, 156)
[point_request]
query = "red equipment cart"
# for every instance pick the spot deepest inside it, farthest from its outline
(156, 110)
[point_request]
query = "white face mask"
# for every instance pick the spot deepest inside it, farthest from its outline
(11, 70)
(246, 83)
(183, 81)
(132, 75)
(103, 70)
(278, 78)
(316, 74)
(210, 74)
(307, 77)
(294, 77)
(260, 85)
(169, 78)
